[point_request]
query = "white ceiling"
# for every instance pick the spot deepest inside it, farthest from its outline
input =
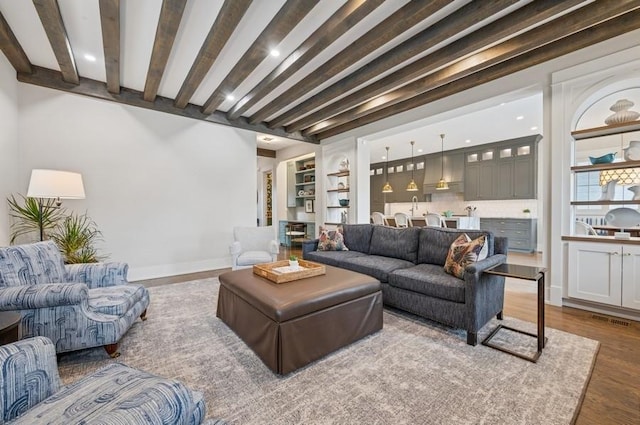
(484, 122)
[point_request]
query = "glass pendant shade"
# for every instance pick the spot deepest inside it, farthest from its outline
(412, 186)
(387, 187)
(442, 184)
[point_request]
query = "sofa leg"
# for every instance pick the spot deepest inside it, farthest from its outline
(112, 350)
(472, 338)
(500, 316)
(143, 316)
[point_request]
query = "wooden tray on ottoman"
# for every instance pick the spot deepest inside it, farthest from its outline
(307, 269)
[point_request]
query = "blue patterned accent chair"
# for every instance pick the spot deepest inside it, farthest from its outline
(76, 306)
(31, 393)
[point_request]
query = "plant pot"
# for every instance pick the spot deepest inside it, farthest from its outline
(294, 264)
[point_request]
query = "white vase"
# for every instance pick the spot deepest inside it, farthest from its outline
(632, 152)
(294, 265)
(609, 191)
(636, 192)
(622, 113)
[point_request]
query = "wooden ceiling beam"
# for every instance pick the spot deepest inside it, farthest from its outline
(285, 20)
(53, 25)
(617, 26)
(44, 77)
(399, 22)
(340, 22)
(471, 14)
(168, 23)
(12, 49)
(267, 153)
(110, 23)
(576, 21)
(225, 24)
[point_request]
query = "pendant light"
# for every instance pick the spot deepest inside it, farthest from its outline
(412, 186)
(442, 184)
(387, 187)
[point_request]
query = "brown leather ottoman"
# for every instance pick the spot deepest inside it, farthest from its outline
(289, 325)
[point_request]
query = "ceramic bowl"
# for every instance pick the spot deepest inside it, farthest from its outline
(604, 159)
(343, 202)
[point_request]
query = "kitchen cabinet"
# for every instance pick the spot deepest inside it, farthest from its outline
(450, 166)
(606, 273)
(502, 171)
(520, 232)
(376, 197)
(398, 181)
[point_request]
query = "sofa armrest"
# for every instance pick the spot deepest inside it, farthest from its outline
(98, 275)
(274, 247)
(235, 249)
(28, 375)
(27, 297)
(486, 264)
(309, 246)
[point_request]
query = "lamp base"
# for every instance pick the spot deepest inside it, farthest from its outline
(622, 235)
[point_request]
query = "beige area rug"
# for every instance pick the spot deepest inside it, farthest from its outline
(411, 372)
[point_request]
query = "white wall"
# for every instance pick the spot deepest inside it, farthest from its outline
(164, 190)
(8, 142)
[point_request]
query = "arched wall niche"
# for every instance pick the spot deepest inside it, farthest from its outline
(593, 110)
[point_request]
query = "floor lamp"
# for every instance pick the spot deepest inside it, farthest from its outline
(54, 184)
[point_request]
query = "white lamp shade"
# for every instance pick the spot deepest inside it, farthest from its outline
(55, 184)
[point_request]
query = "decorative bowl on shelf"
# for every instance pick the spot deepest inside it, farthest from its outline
(343, 202)
(604, 159)
(623, 217)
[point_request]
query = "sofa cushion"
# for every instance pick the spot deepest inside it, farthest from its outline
(434, 243)
(464, 251)
(394, 242)
(332, 258)
(115, 300)
(375, 265)
(331, 241)
(357, 236)
(249, 258)
(430, 280)
(31, 264)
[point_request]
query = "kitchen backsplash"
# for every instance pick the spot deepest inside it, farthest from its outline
(456, 203)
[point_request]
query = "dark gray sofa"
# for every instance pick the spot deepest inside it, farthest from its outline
(410, 264)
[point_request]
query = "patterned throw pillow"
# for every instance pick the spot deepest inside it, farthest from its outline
(331, 241)
(464, 251)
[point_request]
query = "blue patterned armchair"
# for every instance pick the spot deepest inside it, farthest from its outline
(30, 392)
(76, 306)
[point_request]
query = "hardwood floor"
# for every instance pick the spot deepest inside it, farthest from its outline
(613, 393)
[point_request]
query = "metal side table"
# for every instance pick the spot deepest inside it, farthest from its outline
(527, 273)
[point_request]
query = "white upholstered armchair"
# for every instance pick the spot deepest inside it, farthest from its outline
(253, 245)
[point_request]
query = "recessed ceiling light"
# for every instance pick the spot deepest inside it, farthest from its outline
(520, 117)
(534, 128)
(384, 157)
(275, 53)
(419, 150)
(267, 139)
(89, 57)
(502, 104)
(230, 97)
(467, 141)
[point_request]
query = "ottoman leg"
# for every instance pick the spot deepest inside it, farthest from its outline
(112, 350)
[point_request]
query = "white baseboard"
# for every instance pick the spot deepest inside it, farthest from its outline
(164, 270)
(611, 311)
